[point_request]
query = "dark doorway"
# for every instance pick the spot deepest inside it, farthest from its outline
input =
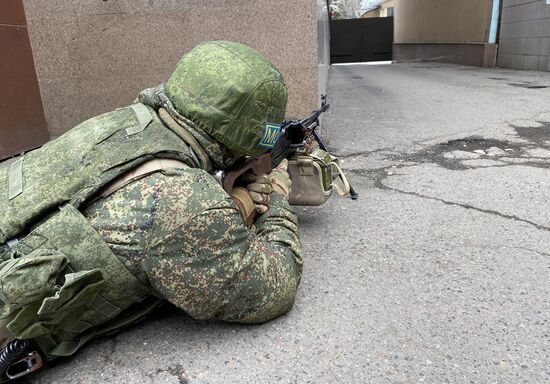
(357, 40)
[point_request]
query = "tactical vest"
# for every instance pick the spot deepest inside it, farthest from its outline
(60, 283)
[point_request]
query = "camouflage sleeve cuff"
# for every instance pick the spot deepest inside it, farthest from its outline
(279, 225)
(278, 208)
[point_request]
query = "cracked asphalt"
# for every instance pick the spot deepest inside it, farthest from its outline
(439, 273)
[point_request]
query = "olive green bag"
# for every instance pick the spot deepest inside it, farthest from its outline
(314, 178)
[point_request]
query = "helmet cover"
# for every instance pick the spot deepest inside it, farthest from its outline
(233, 93)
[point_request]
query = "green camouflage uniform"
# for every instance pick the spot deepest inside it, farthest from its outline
(77, 262)
(179, 232)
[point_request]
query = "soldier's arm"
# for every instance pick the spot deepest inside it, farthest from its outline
(212, 266)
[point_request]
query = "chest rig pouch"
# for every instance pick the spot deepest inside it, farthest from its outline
(314, 178)
(61, 282)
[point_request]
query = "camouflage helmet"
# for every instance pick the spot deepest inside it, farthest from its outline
(233, 93)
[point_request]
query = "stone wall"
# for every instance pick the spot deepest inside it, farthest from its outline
(525, 35)
(95, 55)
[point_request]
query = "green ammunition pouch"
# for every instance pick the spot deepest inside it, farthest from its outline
(314, 178)
(60, 292)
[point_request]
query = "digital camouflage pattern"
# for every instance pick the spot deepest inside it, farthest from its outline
(55, 258)
(180, 232)
(67, 281)
(77, 164)
(176, 235)
(156, 98)
(230, 91)
(74, 262)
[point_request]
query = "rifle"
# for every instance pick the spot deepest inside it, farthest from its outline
(291, 139)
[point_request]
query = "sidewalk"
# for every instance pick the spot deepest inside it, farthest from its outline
(440, 273)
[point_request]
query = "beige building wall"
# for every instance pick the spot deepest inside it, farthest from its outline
(95, 55)
(371, 14)
(442, 21)
(384, 7)
(444, 30)
(381, 11)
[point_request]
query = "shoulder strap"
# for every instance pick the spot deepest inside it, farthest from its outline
(139, 172)
(204, 160)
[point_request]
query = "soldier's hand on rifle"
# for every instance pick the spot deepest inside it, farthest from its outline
(260, 190)
(280, 180)
(310, 145)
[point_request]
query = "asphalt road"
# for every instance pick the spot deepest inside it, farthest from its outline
(439, 273)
